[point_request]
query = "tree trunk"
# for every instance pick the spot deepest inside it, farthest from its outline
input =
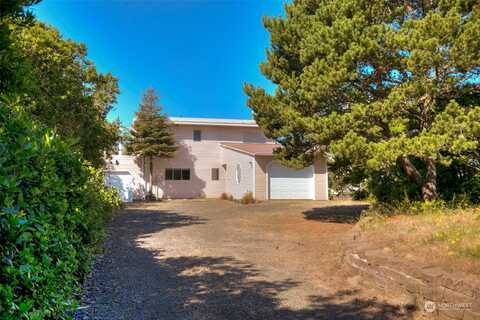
(429, 186)
(150, 178)
(411, 171)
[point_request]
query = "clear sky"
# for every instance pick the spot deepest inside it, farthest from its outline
(196, 53)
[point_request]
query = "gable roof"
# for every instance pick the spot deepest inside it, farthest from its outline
(213, 122)
(253, 149)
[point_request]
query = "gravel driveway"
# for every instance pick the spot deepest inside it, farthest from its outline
(213, 259)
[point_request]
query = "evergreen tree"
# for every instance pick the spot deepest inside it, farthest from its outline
(387, 85)
(151, 135)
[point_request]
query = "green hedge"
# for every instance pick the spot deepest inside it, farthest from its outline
(52, 211)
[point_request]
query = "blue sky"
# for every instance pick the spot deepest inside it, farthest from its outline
(196, 53)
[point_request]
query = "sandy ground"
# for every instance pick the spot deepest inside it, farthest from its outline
(213, 259)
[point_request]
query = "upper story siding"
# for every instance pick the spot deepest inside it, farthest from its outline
(216, 134)
(207, 153)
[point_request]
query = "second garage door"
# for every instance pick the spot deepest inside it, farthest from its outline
(123, 182)
(286, 183)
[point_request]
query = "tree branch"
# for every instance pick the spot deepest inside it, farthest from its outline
(410, 170)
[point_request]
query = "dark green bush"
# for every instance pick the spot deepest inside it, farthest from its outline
(52, 209)
(360, 194)
(460, 181)
(457, 183)
(392, 187)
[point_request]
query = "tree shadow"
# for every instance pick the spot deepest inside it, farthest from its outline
(131, 282)
(336, 214)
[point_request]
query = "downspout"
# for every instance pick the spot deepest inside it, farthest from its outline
(144, 179)
(254, 176)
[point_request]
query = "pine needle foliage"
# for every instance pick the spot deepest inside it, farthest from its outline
(388, 85)
(151, 136)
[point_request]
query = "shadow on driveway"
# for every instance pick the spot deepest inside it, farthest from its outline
(130, 282)
(336, 214)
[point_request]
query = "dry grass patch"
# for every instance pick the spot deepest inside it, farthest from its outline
(449, 238)
(247, 198)
(226, 196)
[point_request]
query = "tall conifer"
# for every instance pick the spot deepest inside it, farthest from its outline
(151, 135)
(388, 85)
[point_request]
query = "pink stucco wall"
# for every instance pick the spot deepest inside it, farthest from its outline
(246, 164)
(200, 157)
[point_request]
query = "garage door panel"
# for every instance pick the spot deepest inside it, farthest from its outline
(287, 183)
(123, 182)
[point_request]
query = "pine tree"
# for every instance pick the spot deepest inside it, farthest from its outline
(151, 135)
(384, 84)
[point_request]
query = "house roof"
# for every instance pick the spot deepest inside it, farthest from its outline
(213, 122)
(254, 149)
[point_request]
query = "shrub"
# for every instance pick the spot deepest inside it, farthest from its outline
(247, 198)
(460, 181)
(52, 210)
(226, 196)
(360, 194)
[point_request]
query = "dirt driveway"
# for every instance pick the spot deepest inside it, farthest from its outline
(213, 259)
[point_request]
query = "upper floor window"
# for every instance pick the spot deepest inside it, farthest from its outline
(177, 174)
(197, 135)
(253, 136)
(215, 174)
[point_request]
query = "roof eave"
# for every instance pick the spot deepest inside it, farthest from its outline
(214, 122)
(237, 149)
(253, 154)
(262, 154)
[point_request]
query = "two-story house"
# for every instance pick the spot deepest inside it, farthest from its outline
(218, 156)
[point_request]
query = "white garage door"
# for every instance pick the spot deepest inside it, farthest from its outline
(123, 182)
(286, 183)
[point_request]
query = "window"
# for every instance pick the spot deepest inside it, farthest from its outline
(185, 174)
(177, 174)
(215, 174)
(197, 135)
(238, 174)
(168, 174)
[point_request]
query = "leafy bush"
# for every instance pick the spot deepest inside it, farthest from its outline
(391, 187)
(458, 184)
(52, 209)
(247, 198)
(360, 194)
(460, 181)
